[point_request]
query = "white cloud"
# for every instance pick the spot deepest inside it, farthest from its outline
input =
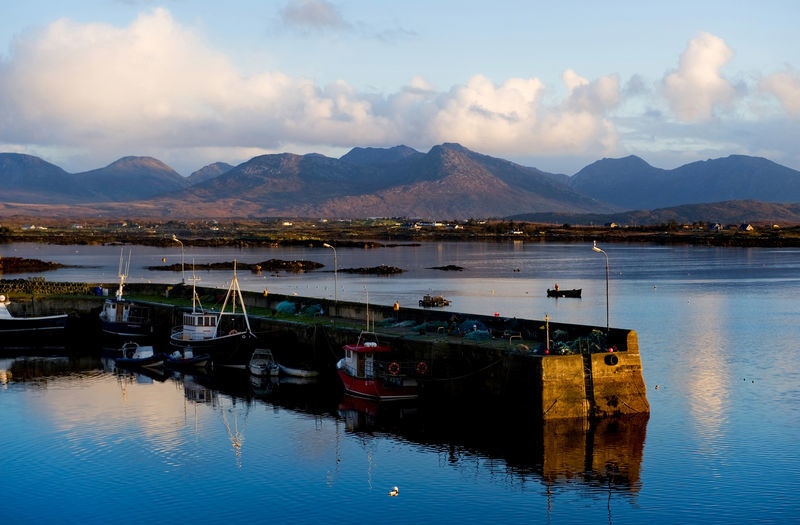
(697, 88)
(511, 118)
(91, 93)
(92, 82)
(786, 88)
(156, 85)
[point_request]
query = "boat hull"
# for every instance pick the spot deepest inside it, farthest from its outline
(297, 372)
(227, 350)
(564, 293)
(19, 332)
(429, 301)
(188, 363)
(154, 361)
(126, 330)
(379, 388)
(134, 355)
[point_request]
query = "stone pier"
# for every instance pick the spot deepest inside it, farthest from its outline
(555, 370)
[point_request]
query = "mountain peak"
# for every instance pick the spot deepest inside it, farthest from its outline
(133, 162)
(377, 156)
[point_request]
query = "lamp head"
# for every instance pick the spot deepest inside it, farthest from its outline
(326, 245)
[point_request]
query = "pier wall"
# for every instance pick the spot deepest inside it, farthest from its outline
(512, 366)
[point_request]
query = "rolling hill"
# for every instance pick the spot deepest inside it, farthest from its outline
(447, 182)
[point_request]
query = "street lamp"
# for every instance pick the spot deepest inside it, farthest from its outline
(335, 279)
(183, 275)
(598, 250)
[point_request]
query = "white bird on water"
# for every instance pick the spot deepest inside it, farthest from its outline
(394, 492)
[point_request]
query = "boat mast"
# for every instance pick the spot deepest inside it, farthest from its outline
(234, 291)
(367, 305)
(195, 298)
(122, 275)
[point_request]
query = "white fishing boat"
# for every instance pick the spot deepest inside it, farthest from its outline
(225, 335)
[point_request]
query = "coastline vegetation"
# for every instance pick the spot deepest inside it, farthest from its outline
(373, 233)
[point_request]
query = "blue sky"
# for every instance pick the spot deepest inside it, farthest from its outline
(553, 85)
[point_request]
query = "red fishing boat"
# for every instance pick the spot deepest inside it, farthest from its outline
(375, 371)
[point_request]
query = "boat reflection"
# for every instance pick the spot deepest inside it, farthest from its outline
(194, 391)
(28, 367)
(365, 415)
(606, 453)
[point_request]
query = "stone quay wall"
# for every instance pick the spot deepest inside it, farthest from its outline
(509, 365)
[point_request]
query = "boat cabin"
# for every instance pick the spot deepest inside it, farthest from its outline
(362, 359)
(124, 312)
(198, 326)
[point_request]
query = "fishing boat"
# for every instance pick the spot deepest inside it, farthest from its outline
(429, 301)
(557, 292)
(29, 330)
(132, 354)
(262, 363)
(373, 370)
(225, 335)
(123, 320)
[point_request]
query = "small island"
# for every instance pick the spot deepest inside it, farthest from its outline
(374, 270)
(20, 265)
(272, 265)
(448, 268)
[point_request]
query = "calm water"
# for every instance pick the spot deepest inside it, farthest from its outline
(718, 331)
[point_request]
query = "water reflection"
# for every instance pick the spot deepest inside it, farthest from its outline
(599, 453)
(605, 453)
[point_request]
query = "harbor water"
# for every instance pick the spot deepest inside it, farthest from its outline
(718, 328)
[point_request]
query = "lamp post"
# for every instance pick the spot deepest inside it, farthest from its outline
(547, 333)
(183, 275)
(598, 250)
(335, 279)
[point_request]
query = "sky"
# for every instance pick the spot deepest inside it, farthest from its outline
(554, 85)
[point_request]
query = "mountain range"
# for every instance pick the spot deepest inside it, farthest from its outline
(448, 182)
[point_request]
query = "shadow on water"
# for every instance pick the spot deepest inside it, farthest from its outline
(604, 453)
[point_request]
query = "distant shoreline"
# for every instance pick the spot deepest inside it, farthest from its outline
(368, 234)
